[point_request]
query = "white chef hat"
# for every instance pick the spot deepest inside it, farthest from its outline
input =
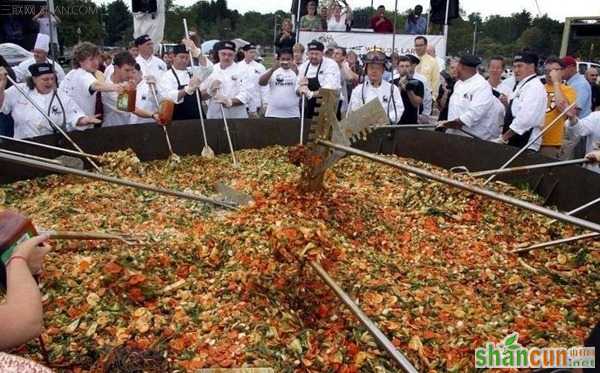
(42, 42)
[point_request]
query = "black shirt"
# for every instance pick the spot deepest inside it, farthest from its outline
(411, 113)
(595, 96)
(286, 42)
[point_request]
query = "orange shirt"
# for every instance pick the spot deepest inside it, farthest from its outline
(555, 136)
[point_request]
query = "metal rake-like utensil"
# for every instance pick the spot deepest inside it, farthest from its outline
(127, 239)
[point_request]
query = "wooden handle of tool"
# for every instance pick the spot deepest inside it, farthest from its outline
(69, 235)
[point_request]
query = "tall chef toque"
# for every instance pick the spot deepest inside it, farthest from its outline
(42, 42)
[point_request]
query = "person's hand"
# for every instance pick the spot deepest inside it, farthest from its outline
(193, 85)
(556, 76)
(276, 64)
(304, 91)
(500, 140)
(402, 82)
(303, 82)
(191, 47)
(150, 79)
(593, 156)
(572, 115)
(3, 78)
(215, 85)
(89, 120)
(223, 100)
(156, 119)
(454, 124)
(33, 252)
(121, 87)
(504, 99)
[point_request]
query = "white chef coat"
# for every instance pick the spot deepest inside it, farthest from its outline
(77, 85)
(427, 97)
(232, 86)
(473, 103)
(168, 87)
(329, 74)
(590, 128)
(112, 116)
(110, 69)
(252, 72)
(366, 92)
(529, 108)
(144, 100)
(283, 103)
(153, 66)
(29, 122)
(22, 69)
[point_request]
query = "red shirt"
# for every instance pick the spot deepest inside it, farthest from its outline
(382, 27)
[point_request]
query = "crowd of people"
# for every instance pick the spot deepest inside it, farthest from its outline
(458, 95)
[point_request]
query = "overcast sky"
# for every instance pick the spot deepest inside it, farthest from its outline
(557, 9)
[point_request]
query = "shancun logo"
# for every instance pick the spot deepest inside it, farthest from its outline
(510, 354)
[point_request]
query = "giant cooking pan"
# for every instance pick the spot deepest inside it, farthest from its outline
(565, 187)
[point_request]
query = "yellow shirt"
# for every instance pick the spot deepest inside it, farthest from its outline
(429, 68)
(554, 137)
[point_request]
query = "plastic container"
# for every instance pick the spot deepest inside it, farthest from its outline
(165, 112)
(15, 228)
(126, 100)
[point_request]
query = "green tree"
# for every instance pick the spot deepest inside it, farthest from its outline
(80, 20)
(118, 24)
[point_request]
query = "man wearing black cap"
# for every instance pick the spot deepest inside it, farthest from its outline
(225, 87)
(374, 87)
(427, 104)
(411, 90)
(29, 122)
(179, 85)
(472, 103)
(525, 112)
(150, 64)
(316, 73)
(251, 72)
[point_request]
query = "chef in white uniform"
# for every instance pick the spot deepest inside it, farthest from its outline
(374, 87)
(124, 73)
(41, 89)
(84, 81)
(527, 108)
(588, 127)
(315, 73)
(179, 85)
(252, 71)
(40, 55)
(472, 105)
(149, 63)
(280, 80)
(225, 86)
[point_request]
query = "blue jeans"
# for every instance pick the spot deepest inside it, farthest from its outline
(7, 125)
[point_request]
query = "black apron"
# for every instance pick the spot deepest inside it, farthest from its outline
(313, 85)
(188, 109)
(516, 140)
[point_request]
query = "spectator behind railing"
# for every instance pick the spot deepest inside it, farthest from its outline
(338, 20)
(416, 24)
(286, 38)
(379, 23)
(311, 21)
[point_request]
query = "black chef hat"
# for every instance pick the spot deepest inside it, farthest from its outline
(316, 46)
(249, 46)
(179, 48)
(38, 69)
(526, 57)
(225, 44)
(413, 59)
(469, 60)
(142, 40)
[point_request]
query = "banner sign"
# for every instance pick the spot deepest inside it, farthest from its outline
(360, 42)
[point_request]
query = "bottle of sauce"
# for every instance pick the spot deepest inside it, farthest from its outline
(126, 99)
(15, 228)
(165, 112)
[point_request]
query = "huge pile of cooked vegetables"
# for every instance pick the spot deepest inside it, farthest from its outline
(428, 263)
